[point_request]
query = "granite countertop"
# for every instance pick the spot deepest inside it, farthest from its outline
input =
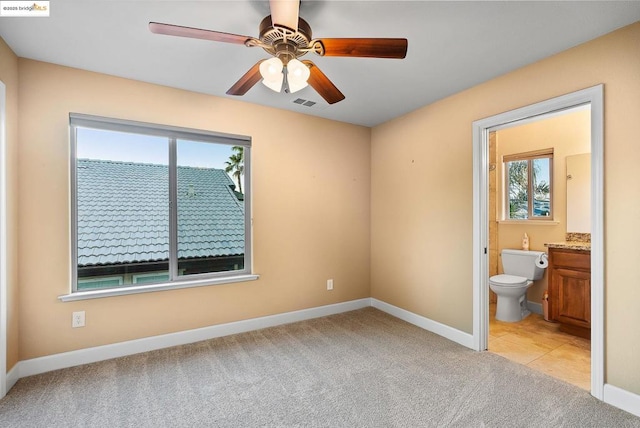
(573, 241)
(570, 245)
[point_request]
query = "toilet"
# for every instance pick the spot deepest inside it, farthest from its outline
(521, 268)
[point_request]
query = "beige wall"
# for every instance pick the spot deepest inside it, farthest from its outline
(311, 198)
(9, 76)
(568, 134)
(421, 192)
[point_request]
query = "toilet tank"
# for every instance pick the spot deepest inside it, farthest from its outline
(522, 263)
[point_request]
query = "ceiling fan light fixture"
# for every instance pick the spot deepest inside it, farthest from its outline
(285, 36)
(297, 75)
(271, 72)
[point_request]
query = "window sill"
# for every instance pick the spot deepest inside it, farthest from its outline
(137, 289)
(531, 222)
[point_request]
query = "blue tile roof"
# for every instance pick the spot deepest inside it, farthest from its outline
(123, 213)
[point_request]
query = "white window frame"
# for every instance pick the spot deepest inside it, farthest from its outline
(172, 133)
(529, 157)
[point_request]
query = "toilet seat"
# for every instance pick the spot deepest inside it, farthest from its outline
(505, 280)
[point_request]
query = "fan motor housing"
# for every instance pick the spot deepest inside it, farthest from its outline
(284, 42)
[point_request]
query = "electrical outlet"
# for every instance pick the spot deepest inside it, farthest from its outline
(77, 319)
(329, 284)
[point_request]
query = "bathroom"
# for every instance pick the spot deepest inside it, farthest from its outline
(557, 148)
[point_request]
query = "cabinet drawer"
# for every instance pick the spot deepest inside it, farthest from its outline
(571, 259)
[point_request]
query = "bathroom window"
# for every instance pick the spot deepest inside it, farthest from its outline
(529, 185)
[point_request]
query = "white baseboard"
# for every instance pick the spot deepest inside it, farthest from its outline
(13, 376)
(534, 307)
(100, 353)
(464, 339)
(121, 349)
(622, 399)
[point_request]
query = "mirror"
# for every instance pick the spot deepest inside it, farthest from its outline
(579, 193)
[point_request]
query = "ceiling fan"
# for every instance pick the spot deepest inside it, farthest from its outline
(286, 37)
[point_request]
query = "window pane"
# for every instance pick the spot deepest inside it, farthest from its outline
(123, 207)
(99, 282)
(517, 185)
(541, 187)
(148, 278)
(211, 224)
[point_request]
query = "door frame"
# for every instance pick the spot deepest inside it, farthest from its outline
(3, 241)
(481, 128)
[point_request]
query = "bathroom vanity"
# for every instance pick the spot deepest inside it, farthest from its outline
(569, 283)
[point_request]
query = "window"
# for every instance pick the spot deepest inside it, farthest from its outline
(157, 205)
(528, 185)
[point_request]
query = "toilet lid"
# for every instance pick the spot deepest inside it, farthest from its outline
(508, 280)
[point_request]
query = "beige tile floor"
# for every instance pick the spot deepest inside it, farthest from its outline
(538, 344)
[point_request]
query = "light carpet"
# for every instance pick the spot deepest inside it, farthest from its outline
(358, 369)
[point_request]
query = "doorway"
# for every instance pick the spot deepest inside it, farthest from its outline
(531, 194)
(593, 97)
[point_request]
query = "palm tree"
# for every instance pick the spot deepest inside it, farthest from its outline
(519, 188)
(235, 165)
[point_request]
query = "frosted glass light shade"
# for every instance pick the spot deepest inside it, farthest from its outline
(271, 72)
(297, 75)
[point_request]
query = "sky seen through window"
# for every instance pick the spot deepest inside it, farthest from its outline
(100, 144)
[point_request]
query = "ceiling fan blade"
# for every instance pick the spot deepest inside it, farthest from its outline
(369, 48)
(321, 83)
(247, 81)
(285, 13)
(197, 33)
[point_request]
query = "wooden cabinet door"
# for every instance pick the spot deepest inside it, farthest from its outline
(573, 304)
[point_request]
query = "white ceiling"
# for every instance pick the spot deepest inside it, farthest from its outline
(452, 45)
